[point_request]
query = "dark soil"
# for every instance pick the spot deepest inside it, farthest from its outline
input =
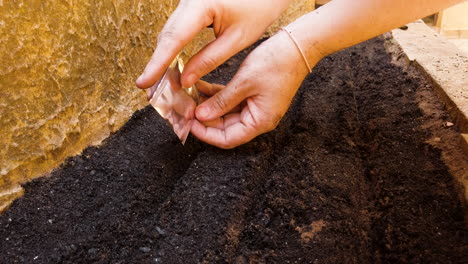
(347, 177)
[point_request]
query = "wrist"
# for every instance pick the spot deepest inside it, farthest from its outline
(298, 47)
(291, 58)
(314, 46)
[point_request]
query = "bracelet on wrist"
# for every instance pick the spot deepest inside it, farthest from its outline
(298, 47)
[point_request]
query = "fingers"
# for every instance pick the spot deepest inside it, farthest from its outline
(236, 109)
(212, 55)
(183, 25)
(225, 121)
(223, 101)
(207, 88)
(233, 133)
(210, 89)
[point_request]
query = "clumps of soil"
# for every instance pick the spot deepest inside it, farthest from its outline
(347, 177)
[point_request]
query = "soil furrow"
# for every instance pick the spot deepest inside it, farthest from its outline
(314, 190)
(97, 198)
(403, 171)
(204, 216)
(347, 177)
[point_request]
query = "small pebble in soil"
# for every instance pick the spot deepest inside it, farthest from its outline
(157, 260)
(160, 231)
(92, 172)
(92, 251)
(145, 249)
(241, 260)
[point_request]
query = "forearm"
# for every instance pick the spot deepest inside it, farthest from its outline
(343, 23)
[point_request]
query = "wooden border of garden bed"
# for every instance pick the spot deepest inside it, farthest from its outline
(444, 64)
(446, 67)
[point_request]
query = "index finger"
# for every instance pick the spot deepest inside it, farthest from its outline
(184, 24)
(232, 133)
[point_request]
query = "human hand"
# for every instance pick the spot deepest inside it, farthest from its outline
(236, 24)
(258, 96)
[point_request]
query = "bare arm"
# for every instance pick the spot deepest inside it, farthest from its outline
(343, 23)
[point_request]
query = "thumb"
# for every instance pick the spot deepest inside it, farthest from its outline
(222, 102)
(183, 25)
(212, 55)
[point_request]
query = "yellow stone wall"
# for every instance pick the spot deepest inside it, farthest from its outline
(67, 71)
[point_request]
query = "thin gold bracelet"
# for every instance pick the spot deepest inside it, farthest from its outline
(298, 47)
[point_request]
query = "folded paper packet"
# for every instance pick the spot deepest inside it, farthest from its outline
(174, 103)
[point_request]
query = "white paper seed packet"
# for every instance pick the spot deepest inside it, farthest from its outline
(174, 103)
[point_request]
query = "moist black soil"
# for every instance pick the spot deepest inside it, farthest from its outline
(347, 177)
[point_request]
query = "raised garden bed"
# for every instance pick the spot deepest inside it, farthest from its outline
(347, 177)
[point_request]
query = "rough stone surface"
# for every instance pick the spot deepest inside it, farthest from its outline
(295, 10)
(9, 195)
(443, 62)
(67, 72)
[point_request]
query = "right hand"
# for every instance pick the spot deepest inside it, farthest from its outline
(237, 24)
(258, 96)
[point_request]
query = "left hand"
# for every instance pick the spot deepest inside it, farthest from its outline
(262, 90)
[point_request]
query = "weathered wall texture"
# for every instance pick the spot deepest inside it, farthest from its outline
(295, 10)
(67, 71)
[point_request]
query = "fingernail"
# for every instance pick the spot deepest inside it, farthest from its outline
(142, 76)
(203, 112)
(191, 79)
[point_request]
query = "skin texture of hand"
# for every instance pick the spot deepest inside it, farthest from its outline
(256, 99)
(236, 24)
